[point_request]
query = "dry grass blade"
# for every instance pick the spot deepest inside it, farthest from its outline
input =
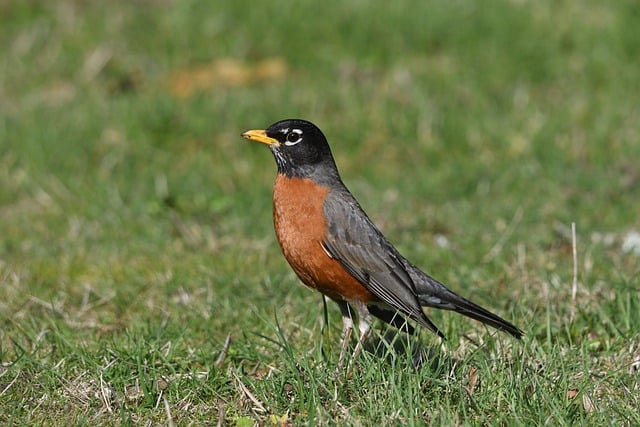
(9, 385)
(168, 411)
(223, 352)
(497, 247)
(574, 285)
(258, 406)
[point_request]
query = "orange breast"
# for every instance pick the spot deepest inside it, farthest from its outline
(300, 226)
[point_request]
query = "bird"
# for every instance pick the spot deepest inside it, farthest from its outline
(335, 248)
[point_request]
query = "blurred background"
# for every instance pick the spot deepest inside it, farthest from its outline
(473, 133)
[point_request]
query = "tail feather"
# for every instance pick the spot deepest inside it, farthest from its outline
(474, 311)
(432, 293)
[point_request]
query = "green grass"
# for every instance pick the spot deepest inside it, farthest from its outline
(135, 223)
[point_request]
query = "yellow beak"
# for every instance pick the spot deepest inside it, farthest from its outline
(260, 136)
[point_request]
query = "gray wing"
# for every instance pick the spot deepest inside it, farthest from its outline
(354, 241)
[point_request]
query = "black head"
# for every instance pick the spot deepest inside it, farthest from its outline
(299, 147)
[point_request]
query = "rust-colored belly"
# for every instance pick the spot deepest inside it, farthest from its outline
(300, 226)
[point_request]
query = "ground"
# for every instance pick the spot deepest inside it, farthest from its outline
(140, 279)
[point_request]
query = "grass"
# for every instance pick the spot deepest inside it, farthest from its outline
(136, 230)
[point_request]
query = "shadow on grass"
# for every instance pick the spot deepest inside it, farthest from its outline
(393, 344)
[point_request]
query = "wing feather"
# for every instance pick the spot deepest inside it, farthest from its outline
(363, 251)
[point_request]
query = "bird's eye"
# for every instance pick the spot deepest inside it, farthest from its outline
(293, 137)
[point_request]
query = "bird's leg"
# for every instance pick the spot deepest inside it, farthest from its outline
(364, 325)
(347, 328)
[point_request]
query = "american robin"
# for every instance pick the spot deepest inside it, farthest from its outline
(335, 248)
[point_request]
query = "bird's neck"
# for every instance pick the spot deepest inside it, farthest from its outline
(324, 173)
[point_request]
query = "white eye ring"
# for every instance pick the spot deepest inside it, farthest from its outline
(290, 138)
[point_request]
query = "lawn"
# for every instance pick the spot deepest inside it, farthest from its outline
(140, 279)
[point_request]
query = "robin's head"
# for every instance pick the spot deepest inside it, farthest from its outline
(299, 147)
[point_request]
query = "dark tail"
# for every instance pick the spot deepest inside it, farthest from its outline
(432, 293)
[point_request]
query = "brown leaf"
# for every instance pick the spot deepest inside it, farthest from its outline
(473, 380)
(223, 72)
